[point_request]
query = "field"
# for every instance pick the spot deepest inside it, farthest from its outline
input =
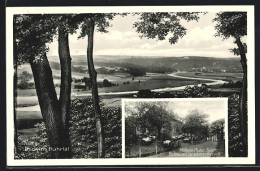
(205, 149)
(28, 109)
(135, 150)
(217, 76)
(151, 82)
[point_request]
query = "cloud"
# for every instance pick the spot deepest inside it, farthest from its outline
(122, 39)
(214, 109)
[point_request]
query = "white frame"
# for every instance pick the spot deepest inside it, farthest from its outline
(10, 11)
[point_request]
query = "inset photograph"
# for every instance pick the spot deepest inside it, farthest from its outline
(191, 127)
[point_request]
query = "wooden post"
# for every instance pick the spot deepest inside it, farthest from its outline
(156, 148)
(140, 152)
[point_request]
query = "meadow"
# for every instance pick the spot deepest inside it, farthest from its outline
(218, 76)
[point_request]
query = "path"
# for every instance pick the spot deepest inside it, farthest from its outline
(205, 149)
(213, 82)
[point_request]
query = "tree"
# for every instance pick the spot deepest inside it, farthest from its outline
(217, 128)
(196, 124)
(25, 76)
(89, 22)
(136, 71)
(234, 24)
(15, 93)
(23, 85)
(160, 24)
(196, 91)
(86, 80)
(130, 130)
(31, 34)
(152, 115)
(106, 83)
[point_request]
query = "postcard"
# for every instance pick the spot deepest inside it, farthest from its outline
(130, 85)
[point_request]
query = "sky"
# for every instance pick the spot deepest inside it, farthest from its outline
(122, 39)
(215, 108)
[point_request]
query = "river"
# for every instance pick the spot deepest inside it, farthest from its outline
(213, 82)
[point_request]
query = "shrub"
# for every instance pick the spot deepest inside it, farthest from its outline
(83, 131)
(196, 91)
(106, 83)
(35, 147)
(145, 94)
(235, 142)
(23, 85)
(237, 84)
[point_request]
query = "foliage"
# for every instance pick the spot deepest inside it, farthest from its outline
(235, 142)
(86, 80)
(196, 123)
(36, 147)
(151, 115)
(231, 24)
(161, 24)
(217, 127)
(237, 84)
(236, 50)
(101, 22)
(145, 93)
(23, 85)
(33, 31)
(106, 83)
(196, 91)
(25, 76)
(188, 92)
(136, 71)
(130, 130)
(83, 130)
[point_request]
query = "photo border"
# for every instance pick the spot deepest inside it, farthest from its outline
(211, 99)
(9, 70)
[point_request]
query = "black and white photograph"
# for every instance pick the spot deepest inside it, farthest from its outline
(71, 68)
(190, 127)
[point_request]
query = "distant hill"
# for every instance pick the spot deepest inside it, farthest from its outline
(185, 63)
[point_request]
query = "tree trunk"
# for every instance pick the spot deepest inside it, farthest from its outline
(15, 96)
(159, 132)
(65, 88)
(95, 97)
(50, 107)
(243, 97)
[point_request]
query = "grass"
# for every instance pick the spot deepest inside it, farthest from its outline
(220, 150)
(203, 149)
(111, 102)
(204, 145)
(148, 82)
(31, 92)
(22, 115)
(217, 76)
(27, 119)
(27, 133)
(145, 150)
(26, 92)
(23, 101)
(153, 82)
